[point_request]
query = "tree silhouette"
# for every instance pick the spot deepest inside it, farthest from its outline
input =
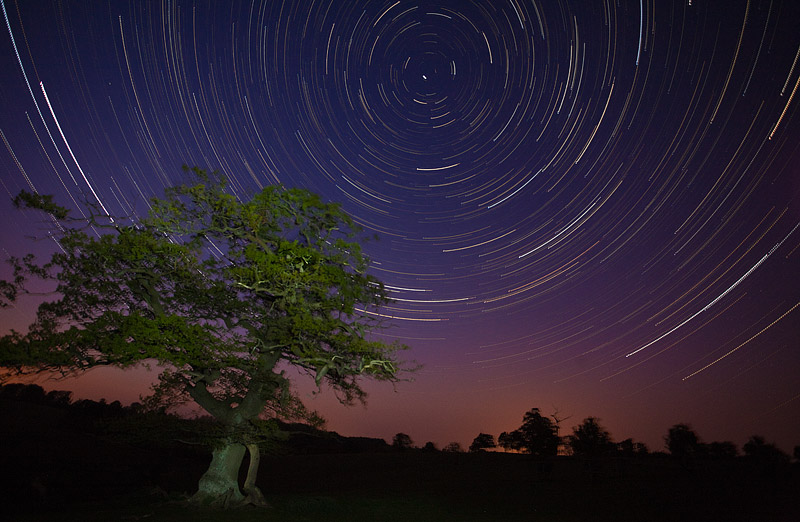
(721, 450)
(222, 295)
(626, 447)
(510, 441)
(453, 447)
(402, 441)
(537, 436)
(482, 441)
(430, 447)
(767, 458)
(590, 440)
(757, 448)
(682, 441)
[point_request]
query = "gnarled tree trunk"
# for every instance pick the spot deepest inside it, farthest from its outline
(254, 495)
(219, 485)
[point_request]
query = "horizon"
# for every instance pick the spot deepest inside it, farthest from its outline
(360, 416)
(588, 207)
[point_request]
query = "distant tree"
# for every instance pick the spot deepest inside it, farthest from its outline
(402, 441)
(558, 419)
(758, 449)
(537, 435)
(625, 447)
(682, 441)
(510, 441)
(796, 453)
(590, 440)
(429, 447)
(221, 294)
(17, 391)
(32, 393)
(629, 448)
(481, 442)
(721, 450)
(59, 397)
(453, 447)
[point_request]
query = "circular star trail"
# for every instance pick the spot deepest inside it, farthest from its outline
(592, 205)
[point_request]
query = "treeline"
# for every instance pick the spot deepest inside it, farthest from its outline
(35, 394)
(540, 436)
(144, 426)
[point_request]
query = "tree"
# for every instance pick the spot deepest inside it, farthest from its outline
(625, 447)
(629, 448)
(682, 441)
(537, 436)
(452, 447)
(402, 441)
(758, 449)
(721, 450)
(510, 441)
(430, 447)
(222, 295)
(796, 453)
(590, 440)
(481, 442)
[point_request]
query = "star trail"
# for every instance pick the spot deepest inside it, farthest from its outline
(589, 206)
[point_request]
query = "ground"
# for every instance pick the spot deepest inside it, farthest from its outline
(64, 471)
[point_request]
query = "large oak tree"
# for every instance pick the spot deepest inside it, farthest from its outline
(223, 294)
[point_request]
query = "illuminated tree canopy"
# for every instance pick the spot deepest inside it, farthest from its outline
(223, 295)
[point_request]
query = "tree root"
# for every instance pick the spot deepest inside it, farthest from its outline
(254, 497)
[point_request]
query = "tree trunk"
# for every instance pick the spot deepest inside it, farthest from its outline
(219, 485)
(254, 495)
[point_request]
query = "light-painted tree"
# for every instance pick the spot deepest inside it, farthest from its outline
(223, 295)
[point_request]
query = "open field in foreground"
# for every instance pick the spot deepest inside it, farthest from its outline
(58, 469)
(417, 486)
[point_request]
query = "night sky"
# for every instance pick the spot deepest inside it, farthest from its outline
(584, 206)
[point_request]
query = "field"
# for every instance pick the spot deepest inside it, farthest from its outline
(418, 486)
(53, 471)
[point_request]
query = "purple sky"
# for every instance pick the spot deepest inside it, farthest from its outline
(583, 206)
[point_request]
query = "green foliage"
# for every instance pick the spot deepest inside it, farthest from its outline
(218, 292)
(45, 203)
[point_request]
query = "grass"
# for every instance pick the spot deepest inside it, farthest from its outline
(420, 487)
(56, 469)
